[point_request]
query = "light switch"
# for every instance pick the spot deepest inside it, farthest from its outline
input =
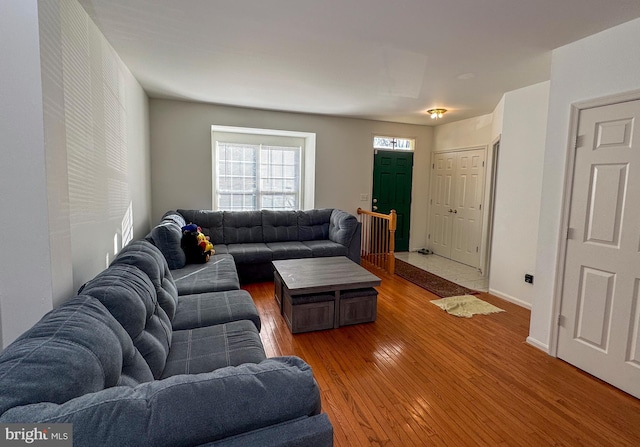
(364, 197)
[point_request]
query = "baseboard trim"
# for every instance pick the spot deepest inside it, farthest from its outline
(538, 344)
(511, 299)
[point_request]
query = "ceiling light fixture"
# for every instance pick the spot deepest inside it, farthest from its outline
(436, 113)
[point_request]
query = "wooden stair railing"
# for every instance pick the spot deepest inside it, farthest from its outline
(378, 239)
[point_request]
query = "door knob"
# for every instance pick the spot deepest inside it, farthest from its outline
(455, 211)
(375, 200)
(450, 210)
(375, 208)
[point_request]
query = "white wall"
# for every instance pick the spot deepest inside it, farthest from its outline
(25, 259)
(56, 160)
(469, 133)
(603, 64)
(498, 119)
(181, 156)
(64, 229)
(518, 191)
(97, 145)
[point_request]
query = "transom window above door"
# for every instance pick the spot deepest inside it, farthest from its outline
(393, 143)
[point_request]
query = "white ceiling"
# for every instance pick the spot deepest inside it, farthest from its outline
(387, 60)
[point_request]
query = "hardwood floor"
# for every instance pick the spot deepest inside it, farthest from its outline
(420, 377)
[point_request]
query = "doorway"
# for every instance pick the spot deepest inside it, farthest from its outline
(457, 189)
(599, 321)
(392, 181)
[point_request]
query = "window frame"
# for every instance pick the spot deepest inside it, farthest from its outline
(258, 192)
(306, 193)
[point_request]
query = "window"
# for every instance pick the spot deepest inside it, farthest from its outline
(395, 144)
(255, 169)
(256, 176)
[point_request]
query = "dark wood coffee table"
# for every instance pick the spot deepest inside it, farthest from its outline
(309, 293)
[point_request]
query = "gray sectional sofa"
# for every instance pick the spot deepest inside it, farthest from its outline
(132, 362)
(254, 239)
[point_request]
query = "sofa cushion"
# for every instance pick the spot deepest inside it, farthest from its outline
(209, 348)
(280, 226)
(217, 275)
(242, 227)
(148, 258)
(220, 249)
(209, 221)
(313, 431)
(209, 309)
(326, 248)
(75, 349)
(289, 250)
(314, 224)
(342, 227)
(186, 409)
(131, 298)
(250, 253)
(167, 236)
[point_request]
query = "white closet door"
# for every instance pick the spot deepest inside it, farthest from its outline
(442, 203)
(456, 212)
(599, 327)
(467, 215)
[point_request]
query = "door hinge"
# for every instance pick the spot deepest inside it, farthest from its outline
(561, 320)
(429, 236)
(483, 164)
(433, 166)
(480, 207)
(476, 249)
(430, 201)
(570, 233)
(579, 141)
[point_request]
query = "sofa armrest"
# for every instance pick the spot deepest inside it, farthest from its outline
(354, 249)
(342, 227)
(345, 229)
(185, 410)
(167, 236)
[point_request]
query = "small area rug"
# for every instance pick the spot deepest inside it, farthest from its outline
(428, 281)
(466, 306)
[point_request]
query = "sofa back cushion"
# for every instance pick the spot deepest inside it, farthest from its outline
(314, 224)
(342, 227)
(190, 409)
(209, 221)
(130, 296)
(242, 227)
(148, 258)
(280, 226)
(167, 236)
(75, 349)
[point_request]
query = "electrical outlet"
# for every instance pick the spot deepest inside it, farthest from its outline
(528, 278)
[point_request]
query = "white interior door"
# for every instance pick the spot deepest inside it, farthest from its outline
(467, 210)
(456, 205)
(442, 203)
(599, 324)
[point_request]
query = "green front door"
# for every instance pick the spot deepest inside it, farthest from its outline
(392, 174)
